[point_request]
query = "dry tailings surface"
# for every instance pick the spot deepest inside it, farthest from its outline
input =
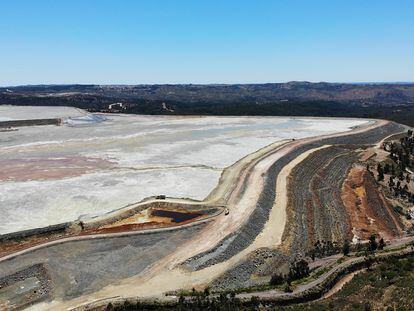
(80, 267)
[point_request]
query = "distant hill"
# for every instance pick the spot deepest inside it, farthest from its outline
(387, 100)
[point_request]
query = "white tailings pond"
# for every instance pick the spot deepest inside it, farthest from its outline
(88, 166)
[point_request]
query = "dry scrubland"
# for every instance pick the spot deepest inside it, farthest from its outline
(289, 200)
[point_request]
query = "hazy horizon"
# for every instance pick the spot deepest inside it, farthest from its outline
(206, 84)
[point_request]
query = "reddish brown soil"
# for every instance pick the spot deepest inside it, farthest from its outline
(49, 168)
(137, 226)
(369, 211)
(125, 228)
(9, 247)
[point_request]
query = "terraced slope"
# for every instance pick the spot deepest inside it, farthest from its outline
(239, 240)
(315, 209)
(314, 213)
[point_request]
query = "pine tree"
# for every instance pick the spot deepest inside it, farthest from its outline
(381, 244)
(372, 244)
(346, 248)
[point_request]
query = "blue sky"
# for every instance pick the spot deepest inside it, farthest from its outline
(166, 41)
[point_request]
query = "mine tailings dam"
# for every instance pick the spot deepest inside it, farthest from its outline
(82, 265)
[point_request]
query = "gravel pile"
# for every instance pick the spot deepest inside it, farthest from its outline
(41, 292)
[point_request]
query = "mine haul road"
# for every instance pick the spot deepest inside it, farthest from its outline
(240, 189)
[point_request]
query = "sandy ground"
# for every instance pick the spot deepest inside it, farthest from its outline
(272, 233)
(338, 286)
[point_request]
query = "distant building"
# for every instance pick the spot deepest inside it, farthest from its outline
(116, 106)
